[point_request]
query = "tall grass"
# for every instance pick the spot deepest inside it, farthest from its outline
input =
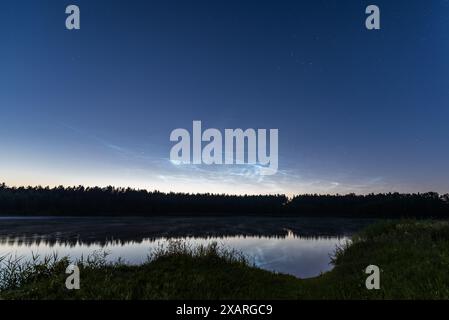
(16, 272)
(178, 248)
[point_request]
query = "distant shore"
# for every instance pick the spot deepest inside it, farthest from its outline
(126, 202)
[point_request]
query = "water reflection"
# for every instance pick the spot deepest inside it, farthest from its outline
(301, 247)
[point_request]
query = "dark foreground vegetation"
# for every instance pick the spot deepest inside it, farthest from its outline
(413, 257)
(81, 201)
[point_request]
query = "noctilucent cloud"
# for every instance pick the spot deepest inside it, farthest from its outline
(357, 110)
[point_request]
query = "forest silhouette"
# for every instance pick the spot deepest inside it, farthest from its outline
(111, 201)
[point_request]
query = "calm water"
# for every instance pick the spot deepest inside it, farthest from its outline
(297, 246)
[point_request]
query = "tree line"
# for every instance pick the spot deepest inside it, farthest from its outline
(96, 201)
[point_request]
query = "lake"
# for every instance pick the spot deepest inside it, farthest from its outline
(298, 246)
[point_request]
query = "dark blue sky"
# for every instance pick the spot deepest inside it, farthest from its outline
(357, 110)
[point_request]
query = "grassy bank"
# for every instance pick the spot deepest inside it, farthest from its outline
(413, 257)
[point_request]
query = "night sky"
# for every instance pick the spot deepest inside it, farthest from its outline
(357, 110)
